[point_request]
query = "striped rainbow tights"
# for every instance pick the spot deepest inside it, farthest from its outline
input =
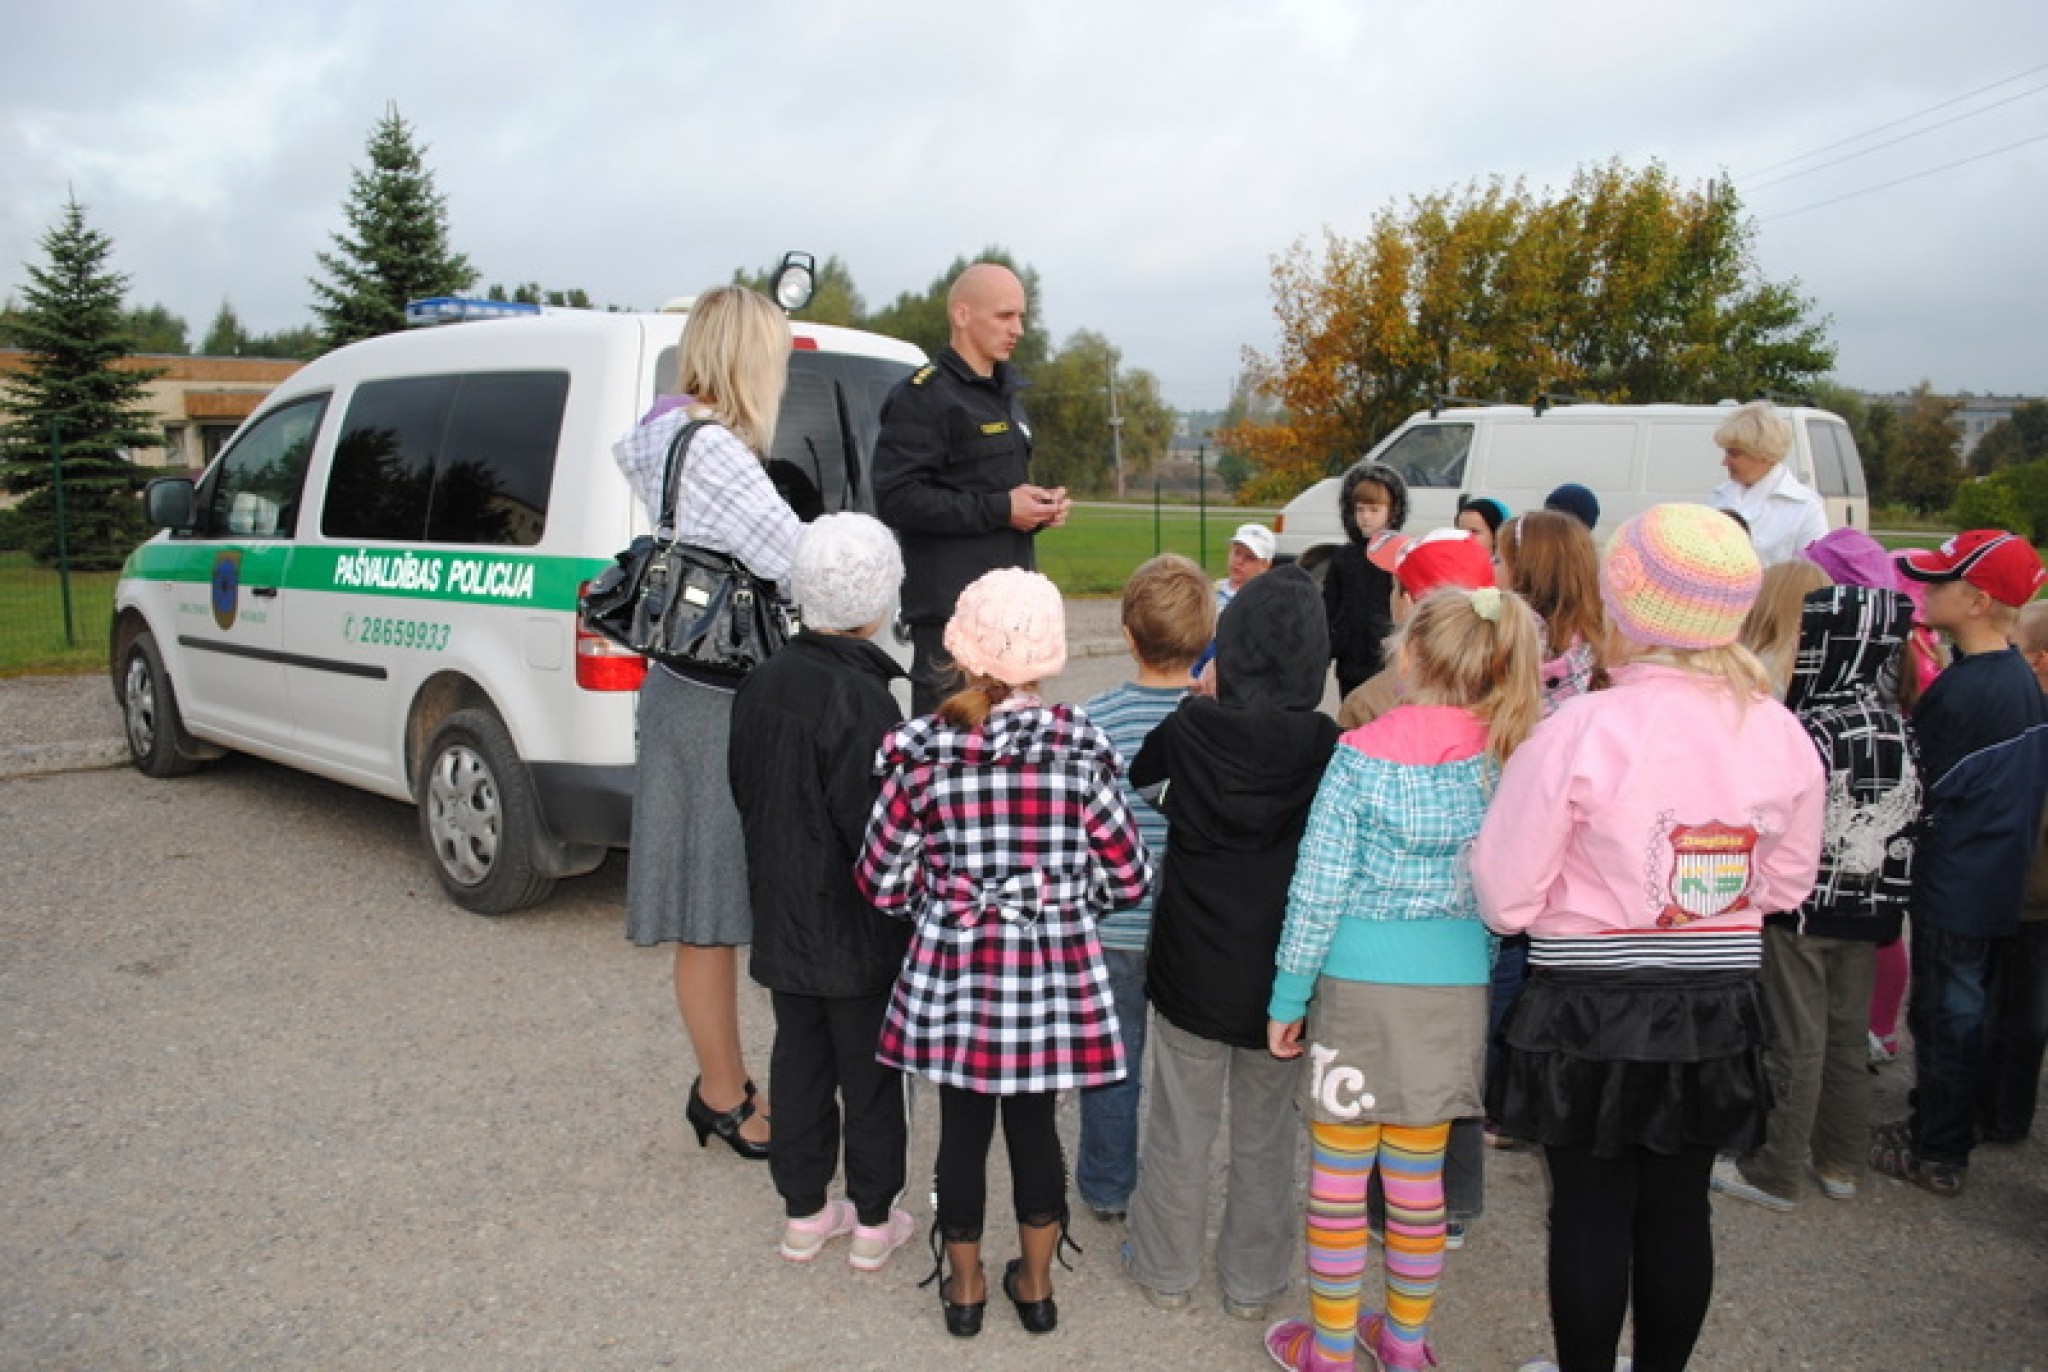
(1411, 1162)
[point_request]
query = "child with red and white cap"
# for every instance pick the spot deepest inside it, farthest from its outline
(1441, 557)
(1983, 734)
(1639, 838)
(1001, 835)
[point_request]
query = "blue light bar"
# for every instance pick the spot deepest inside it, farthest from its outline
(454, 309)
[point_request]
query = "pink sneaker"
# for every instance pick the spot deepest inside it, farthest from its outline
(1390, 1355)
(802, 1238)
(1292, 1344)
(872, 1244)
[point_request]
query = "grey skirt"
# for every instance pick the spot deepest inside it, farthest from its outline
(1380, 1054)
(686, 878)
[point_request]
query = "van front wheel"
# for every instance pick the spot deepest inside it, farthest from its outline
(478, 817)
(149, 712)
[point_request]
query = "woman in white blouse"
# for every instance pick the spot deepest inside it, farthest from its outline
(1783, 514)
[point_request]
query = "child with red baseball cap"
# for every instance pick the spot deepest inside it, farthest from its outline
(1983, 734)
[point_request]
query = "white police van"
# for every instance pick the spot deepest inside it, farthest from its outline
(1630, 456)
(376, 580)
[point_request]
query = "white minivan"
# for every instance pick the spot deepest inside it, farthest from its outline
(376, 580)
(1630, 456)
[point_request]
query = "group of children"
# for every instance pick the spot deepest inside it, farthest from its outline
(1579, 865)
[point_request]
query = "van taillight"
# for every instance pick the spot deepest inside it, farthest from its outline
(602, 665)
(1280, 524)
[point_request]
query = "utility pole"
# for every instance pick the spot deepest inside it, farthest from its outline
(1116, 428)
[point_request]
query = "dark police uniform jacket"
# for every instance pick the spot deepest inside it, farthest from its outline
(952, 445)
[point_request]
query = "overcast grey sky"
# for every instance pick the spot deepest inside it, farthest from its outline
(1149, 159)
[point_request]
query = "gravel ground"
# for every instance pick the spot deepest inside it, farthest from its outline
(270, 1101)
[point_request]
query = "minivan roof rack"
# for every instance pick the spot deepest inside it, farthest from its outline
(1783, 397)
(1440, 402)
(1549, 398)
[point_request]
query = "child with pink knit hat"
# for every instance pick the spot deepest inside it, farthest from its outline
(1639, 838)
(1001, 835)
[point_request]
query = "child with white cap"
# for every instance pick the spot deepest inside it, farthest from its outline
(800, 765)
(1251, 552)
(1639, 838)
(1000, 834)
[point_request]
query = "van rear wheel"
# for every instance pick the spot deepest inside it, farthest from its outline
(478, 816)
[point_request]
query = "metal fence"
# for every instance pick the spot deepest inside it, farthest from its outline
(53, 616)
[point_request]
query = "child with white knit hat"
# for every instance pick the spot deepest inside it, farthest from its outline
(1639, 838)
(801, 766)
(1001, 835)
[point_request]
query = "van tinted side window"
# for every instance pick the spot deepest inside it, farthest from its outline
(1431, 454)
(447, 459)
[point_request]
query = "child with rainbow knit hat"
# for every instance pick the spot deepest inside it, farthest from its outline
(1639, 838)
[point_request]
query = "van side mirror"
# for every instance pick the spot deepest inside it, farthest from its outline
(169, 503)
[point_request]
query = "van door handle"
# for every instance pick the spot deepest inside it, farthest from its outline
(266, 592)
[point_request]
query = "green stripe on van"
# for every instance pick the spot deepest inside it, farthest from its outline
(482, 576)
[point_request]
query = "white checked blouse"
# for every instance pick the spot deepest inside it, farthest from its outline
(727, 502)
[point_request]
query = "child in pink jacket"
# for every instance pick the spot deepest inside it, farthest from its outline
(1639, 838)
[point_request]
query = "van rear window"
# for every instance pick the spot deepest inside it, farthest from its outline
(447, 459)
(1837, 470)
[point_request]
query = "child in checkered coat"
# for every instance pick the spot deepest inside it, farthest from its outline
(1001, 835)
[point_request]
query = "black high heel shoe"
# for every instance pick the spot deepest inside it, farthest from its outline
(962, 1321)
(1037, 1317)
(707, 1122)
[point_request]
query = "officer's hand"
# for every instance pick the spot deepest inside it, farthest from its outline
(1033, 507)
(1062, 506)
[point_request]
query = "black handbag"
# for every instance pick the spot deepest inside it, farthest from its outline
(700, 611)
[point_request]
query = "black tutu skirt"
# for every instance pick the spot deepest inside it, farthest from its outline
(1663, 1060)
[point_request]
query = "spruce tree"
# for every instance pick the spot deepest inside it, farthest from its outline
(396, 248)
(71, 325)
(225, 337)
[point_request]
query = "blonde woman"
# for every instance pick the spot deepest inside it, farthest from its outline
(1783, 514)
(687, 882)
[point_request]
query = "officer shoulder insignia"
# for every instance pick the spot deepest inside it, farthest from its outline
(917, 378)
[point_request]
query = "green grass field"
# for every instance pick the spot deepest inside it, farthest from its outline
(1100, 544)
(1091, 556)
(32, 618)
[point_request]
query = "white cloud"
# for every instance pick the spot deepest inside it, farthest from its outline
(1149, 159)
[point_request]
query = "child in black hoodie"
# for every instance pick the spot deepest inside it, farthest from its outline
(1235, 776)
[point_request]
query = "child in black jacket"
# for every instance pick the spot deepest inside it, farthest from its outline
(805, 727)
(1358, 587)
(1239, 773)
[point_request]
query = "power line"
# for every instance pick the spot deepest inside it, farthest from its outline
(1892, 124)
(1890, 142)
(1887, 185)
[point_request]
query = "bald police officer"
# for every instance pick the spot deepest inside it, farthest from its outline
(952, 467)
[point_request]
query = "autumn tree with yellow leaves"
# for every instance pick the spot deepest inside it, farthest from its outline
(1628, 287)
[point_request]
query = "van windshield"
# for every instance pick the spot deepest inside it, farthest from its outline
(1431, 454)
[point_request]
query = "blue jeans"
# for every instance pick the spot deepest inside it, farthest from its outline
(1107, 1170)
(1947, 1012)
(1510, 975)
